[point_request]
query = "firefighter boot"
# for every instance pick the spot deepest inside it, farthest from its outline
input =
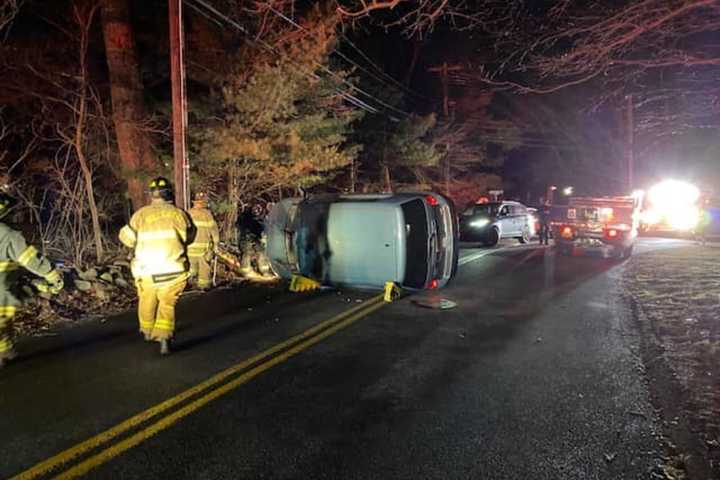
(9, 355)
(165, 346)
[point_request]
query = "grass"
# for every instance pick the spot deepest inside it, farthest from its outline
(678, 291)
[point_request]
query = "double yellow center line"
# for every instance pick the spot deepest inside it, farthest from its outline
(207, 391)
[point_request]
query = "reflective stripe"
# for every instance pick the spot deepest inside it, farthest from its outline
(53, 277)
(8, 266)
(5, 344)
(8, 310)
(157, 235)
(166, 215)
(168, 325)
(198, 248)
(27, 255)
(206, 224)
(146, 325)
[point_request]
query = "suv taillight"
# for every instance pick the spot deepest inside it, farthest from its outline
(566, 232)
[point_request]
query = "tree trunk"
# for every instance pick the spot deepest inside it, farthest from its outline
(386, 179)
(134, 143)
(231, 217)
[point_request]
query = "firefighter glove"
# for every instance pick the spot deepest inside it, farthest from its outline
(54, 282)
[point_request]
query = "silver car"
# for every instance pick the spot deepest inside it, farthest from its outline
(489, 222)
(365, 240)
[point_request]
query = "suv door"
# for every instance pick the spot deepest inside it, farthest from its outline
(505, 219)
(521, 219)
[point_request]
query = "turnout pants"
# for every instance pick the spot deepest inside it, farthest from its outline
(156, 306)
(544, 233)
(7, 312)
(201, 270)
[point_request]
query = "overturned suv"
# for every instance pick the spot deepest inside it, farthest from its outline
(365, 240)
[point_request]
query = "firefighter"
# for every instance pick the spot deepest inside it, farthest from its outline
(544, 214)
(15, 253)
(207, 239)
(250, 235)
(159, 234)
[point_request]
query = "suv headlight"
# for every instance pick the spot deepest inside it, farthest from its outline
(482, 222)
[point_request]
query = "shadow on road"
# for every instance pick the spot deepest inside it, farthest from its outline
(195, 313)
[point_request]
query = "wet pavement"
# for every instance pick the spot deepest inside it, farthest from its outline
(534, 374)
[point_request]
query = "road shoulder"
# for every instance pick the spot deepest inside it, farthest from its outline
(674, 307)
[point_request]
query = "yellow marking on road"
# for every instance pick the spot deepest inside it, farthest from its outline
(166, 422)
(70, 454)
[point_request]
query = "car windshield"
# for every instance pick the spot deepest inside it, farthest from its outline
(488, 209)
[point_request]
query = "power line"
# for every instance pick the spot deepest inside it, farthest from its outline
(383, 73)
(396, 83)
(336, 51)
(351, 98)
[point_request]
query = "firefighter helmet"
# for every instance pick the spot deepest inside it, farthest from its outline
(161, 187)
(6, 203)
(200, 198)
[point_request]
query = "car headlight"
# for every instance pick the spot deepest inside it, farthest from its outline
(479, 223)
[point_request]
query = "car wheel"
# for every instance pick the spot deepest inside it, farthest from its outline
(493, 237)
(525, 238)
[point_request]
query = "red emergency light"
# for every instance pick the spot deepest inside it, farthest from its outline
(566, 232)
(482, 200)
(433, 283)
(611, 233)
(431, 200)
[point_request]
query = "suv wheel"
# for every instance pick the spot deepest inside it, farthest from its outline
(525, 238)
(493, 237)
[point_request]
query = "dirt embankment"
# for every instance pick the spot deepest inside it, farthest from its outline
(676, 297)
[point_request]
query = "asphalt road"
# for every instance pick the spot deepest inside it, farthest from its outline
(535, 375)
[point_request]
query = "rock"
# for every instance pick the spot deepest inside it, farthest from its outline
(83, 285)
(122, 283)
(121, 263)
(89, 274)
(107, 277)
(100, 292)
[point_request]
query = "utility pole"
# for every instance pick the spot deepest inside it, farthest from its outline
(630, 142)
(444, 70)
(179, 115)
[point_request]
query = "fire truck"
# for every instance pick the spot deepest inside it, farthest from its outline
(604, 225)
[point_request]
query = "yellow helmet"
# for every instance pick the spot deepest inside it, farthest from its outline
(160, 187)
